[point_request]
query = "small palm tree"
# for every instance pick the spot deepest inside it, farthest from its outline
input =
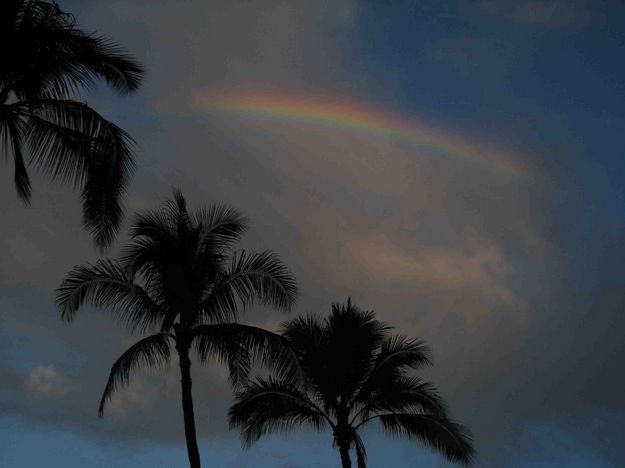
(46, 59)
(179, 277)
(353, 373)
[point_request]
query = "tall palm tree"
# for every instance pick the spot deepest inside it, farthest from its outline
(179, 277)
(46, 60)
(353, 373)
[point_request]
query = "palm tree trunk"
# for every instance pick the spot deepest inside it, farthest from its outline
(187, 407)
(345, 460)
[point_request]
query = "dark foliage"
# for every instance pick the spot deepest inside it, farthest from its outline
(46, 61)
(353, 372)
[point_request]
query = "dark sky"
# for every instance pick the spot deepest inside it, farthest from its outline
(514, 277)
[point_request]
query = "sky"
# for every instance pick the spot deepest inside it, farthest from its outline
(455, 166)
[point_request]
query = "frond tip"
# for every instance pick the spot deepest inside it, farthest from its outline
(152, 351)
(267, 406)
(106, 284)
(441, 434)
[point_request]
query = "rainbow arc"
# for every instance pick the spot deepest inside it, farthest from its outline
(344, 115)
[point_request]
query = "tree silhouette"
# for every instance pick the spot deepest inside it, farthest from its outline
(179, 275)
(46, 60)
(353, 373)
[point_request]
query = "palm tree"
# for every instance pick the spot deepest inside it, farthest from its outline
(46, 60)
(353, 373)
(179, 277)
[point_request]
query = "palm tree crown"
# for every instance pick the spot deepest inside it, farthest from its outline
(353, 373)
(179, 277)
(46, 60)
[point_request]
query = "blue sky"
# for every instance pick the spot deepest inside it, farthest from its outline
(517, 285)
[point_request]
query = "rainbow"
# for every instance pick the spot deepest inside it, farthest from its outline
(344, 115)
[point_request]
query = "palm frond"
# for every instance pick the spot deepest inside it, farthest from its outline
(52, 57)
(153, 239)
(154, 225)
(252, 277)
(399, 395)
(100, 56)
(70, 141)
(267, 406)
(176, 209)
(402, 353)
(168, 228)
(12, 129)
(361, 452)
(397, 355)
(63, 134)
(21, 178)
(241, 346)
(220, 227)
(306, 331)
(106, 284)
(103, 191)
(152, 351)
(441, 434)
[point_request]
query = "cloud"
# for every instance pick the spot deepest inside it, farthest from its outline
(44, 381)
(467, 270)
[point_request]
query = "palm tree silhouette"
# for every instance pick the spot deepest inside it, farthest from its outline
(46, 60)
(179, 275)
(353, 373)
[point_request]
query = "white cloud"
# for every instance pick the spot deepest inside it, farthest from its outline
(44, 381)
